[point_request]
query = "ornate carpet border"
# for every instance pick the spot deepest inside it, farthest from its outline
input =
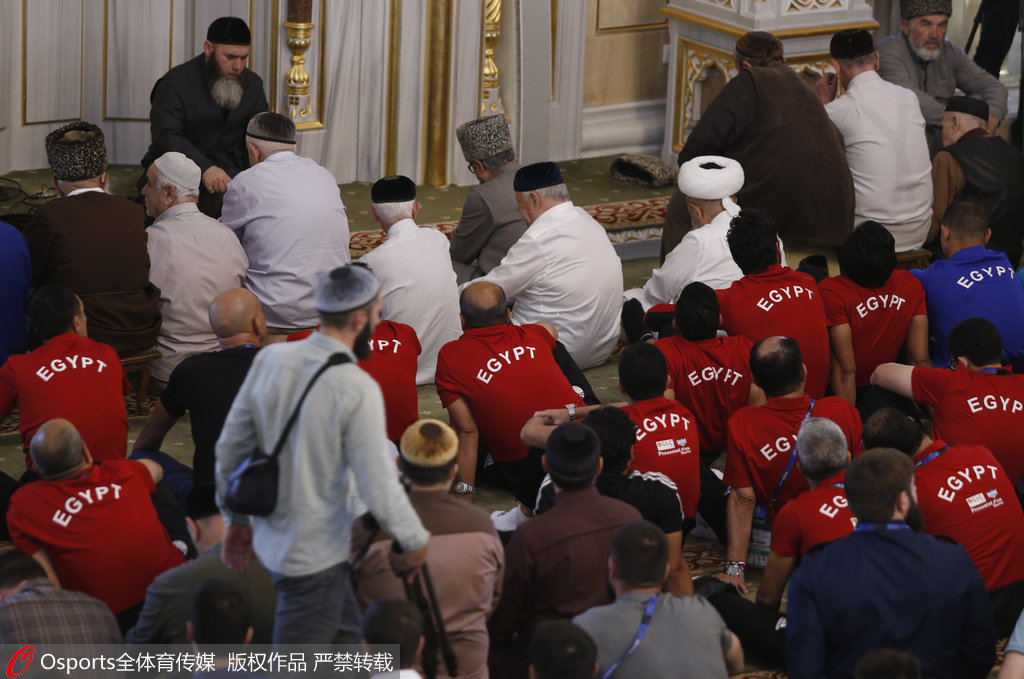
(628, 221)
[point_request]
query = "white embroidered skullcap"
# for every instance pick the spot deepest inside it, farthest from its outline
(712, 178)
(180, 169)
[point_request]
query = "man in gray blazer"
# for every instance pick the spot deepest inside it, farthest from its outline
(490, 222)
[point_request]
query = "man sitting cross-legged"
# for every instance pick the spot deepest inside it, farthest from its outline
(493, 379)
(93, 527)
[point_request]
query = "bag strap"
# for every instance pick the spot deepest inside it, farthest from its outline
(652, 603)
(332, 360)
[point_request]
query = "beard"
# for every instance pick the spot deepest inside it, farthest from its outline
(925, 52)
(914, 517)
(227, 92)
(362, 345)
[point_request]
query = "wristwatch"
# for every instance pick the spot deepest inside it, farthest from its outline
(734, 568)
(571, 407)
(463, 488)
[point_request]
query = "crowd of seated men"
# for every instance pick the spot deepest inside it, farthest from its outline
(855, 436)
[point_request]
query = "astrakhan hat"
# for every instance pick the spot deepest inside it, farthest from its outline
(76, 152)
(484, 137)
(911, 9)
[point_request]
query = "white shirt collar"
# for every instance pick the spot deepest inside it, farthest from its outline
(85, 190)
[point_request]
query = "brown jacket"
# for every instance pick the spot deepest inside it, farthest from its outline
(795, 169)
(465, 559)
(95, 244)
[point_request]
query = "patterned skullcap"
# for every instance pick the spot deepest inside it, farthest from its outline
(429, 443)
(484, 137)
(76, 152)
(911, 9)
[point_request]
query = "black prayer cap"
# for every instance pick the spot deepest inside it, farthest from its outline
(968, 105)
(851, 43)
(573, 450)
(394, 189)
(537, 176)
(229, 31)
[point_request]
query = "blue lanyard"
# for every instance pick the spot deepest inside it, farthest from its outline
(930, 456)
(891, 525)
(789, 464)
(641, 631)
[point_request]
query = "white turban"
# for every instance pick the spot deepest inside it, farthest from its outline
(712, 178)
(180, 169)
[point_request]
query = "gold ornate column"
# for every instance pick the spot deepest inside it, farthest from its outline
(391, 111)
(490, 91)
(299, 35)
(438, 89)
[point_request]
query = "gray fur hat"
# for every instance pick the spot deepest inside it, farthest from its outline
(484, 137)
(76, 152)
(911, 9)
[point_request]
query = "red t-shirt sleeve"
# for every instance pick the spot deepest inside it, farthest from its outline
(540, 335)
(446, 388)
(786, 532)
(19, 537)
(8, 392)
(929, 385)
(140, 470)
(413, 339)
(736, 473)
(835, 309)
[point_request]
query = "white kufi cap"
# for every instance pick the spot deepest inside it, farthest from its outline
(712, 178)
(180, 169)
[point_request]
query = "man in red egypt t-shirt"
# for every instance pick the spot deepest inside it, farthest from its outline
(707, 374)
(981, 401)
(394, 350)
(667, 440)
(773, 300)
(492, 380)
(70, 376)
(963, 493)
(761, 442)
(819, 515)
(92, 525)
(874, 310)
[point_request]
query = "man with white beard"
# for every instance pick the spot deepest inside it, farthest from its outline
(921, 59)
(200, 108)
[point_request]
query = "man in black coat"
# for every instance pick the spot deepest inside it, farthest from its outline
(200, 108)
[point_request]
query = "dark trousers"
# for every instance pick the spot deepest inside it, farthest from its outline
(1007, 603)
(573, 373)
(761, 631)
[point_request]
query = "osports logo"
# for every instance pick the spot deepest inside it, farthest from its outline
(24, 654)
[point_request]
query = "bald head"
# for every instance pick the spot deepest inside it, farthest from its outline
(776, 366)
(56, 448)
(482, 305)
(237, 313)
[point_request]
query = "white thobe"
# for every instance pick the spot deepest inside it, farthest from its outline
(288, 213)
(564, 270)
(887, 150)
(417, 281)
